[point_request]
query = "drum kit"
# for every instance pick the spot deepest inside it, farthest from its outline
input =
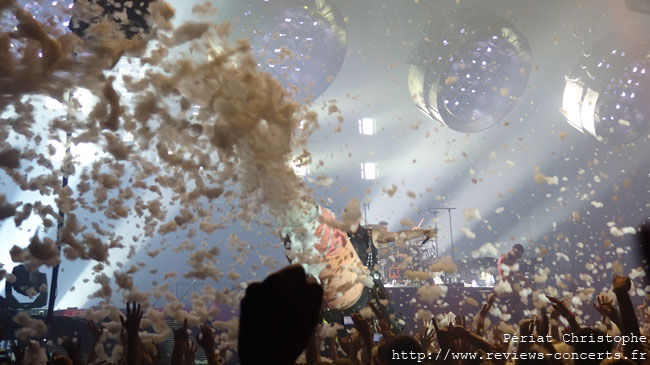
(396, 261)
(414, 255)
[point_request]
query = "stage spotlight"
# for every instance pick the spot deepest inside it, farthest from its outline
(302, 43)
(470, 69)
(638, 6)
(607, 93)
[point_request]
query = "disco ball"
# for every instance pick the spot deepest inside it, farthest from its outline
(302, 43)
(133, 23)
(53, 13)
(607, 94)
(470, 69)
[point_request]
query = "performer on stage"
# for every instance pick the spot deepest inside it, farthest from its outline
(365, 240)
(506, 266)
(345, 263)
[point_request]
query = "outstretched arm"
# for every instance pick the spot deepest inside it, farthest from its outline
(73, 348)
(385, 237)
(312, 352)
(605, 306)
(181, 344)
(205, 339)
(425, 337)
(564, 311)
(132, 326)
(542, 324)
(96, 335)
(465, 335)
(18, 351)
(363, 327)
(629, 322)
(483, 315)
(525, 330)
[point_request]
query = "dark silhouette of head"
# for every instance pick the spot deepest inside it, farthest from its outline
(643, 248)
(383, 226)
(515, 253)
(395, 345)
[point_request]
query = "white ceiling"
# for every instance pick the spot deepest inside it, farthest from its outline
(487, 170)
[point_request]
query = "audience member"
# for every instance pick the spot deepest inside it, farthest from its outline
(279, 318)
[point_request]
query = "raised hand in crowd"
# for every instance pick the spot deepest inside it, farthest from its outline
(605, 306)
(355, 347)
(181, 344)
(157, 357)
(442, 336)
(465, 340)
(384, 324)
(628, 320)
(205, 339)
(18, 351)
(96, 332)
(555, 324)
(426, 336)
(499, 343)
(277, 317)
(565, 312)
(190, 354)
(485, 309)
(365, 334)
(542, 326)
(542, 323)
(351, 346)
(526, 328)
(131, 325)
(455, 327)
(460, 320)
(73, 347)
(312, 352)
(133, 317)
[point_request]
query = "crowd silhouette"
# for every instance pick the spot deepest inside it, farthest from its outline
(281, 323)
